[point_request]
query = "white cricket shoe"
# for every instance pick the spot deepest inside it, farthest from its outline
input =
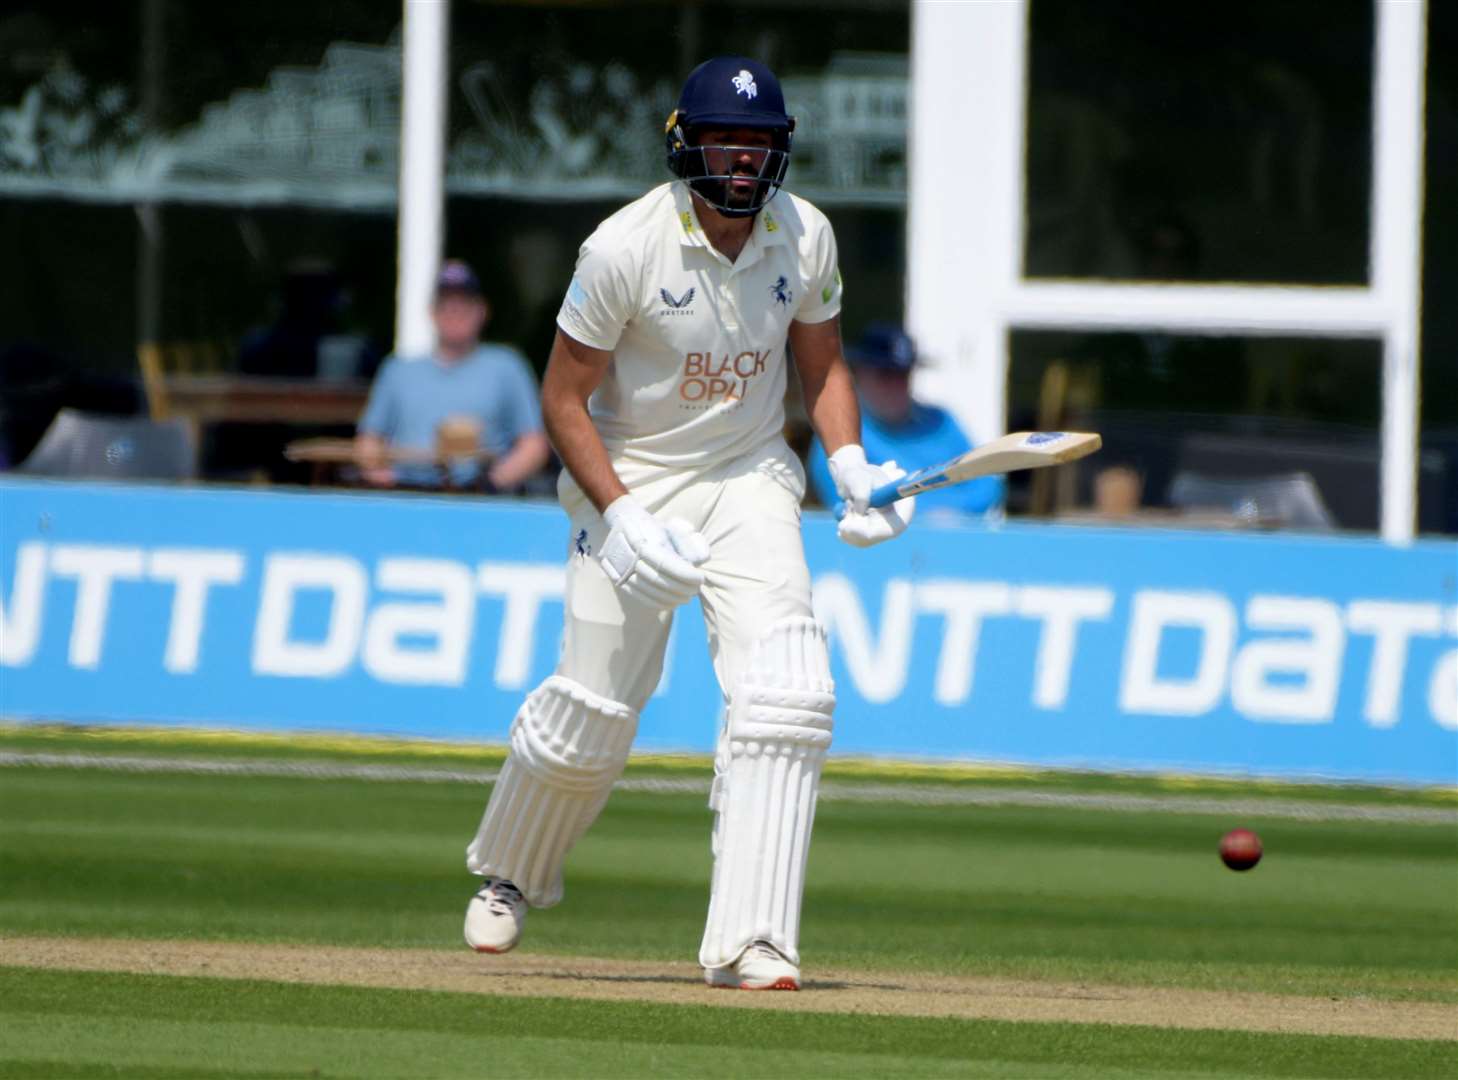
(759, 967)
(494, 916)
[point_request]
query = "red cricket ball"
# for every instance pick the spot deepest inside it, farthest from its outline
(1240, 849)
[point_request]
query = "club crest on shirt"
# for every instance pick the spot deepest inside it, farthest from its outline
(781, 292)
(584, 549)
(677, 305)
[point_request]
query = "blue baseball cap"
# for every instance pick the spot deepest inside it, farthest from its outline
(456, 276)
(884, 345)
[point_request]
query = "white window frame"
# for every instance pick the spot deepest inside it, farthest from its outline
(425, 66)
(966, 292)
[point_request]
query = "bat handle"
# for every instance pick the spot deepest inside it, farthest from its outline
(884, 495)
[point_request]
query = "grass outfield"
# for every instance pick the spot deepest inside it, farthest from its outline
(236, 745)
(1339, 908)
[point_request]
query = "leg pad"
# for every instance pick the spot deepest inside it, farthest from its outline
(773, 747)
(568, 747)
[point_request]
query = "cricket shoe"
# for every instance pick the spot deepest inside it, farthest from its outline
(494, 916)
(759, 967)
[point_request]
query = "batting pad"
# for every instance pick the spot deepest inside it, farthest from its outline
(771, 753)
(568, 746)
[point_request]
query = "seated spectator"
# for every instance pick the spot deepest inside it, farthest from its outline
(309, 336)
(896, 427)
(465, 397)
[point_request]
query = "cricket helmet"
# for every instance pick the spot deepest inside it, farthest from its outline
(730, 92)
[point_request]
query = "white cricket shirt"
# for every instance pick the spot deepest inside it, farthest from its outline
(698, 342)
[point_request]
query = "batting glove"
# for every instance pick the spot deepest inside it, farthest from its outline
(868, 525)
(651, 561)
(854, 477)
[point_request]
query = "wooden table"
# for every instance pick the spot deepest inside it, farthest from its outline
(252, 399)
(327, 455)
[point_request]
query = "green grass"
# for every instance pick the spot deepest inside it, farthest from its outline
(68, 1024)
(1344, 909)
(187, 742)
(1341, 907)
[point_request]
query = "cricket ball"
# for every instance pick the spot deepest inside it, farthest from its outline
(1240, 849)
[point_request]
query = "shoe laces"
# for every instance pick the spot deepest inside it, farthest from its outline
(502, 897)
(766, 950)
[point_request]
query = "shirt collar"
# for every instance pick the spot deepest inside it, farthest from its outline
(689, 232)
(769, 230)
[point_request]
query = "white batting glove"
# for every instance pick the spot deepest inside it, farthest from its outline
(688, 541)
(649, 560)
(854, 478)
(874, 525)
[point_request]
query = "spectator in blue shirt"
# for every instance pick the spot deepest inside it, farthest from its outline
(488, 389)
(897, 427)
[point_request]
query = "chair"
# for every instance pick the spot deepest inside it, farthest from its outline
(158, 362)
(1345, 464)
(92, 446)
(1288, 499)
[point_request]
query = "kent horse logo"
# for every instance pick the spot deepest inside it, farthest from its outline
(677, 305)
(781, 294)
(744, 84)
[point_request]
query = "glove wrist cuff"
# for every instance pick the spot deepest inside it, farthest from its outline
(849, 454)
(621, 507)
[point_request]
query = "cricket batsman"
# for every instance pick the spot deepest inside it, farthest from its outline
(664, 397)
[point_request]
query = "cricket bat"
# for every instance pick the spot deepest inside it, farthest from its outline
(1020, 450)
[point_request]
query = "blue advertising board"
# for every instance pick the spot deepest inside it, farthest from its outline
(1075, 646)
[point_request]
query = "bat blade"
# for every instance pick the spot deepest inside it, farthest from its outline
(1020, 450)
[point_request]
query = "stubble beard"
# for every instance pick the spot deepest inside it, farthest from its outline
(741, 198)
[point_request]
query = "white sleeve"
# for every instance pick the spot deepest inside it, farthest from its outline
(599, 301)
(821, 299)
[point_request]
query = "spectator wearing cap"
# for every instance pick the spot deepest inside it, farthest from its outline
(486, 391)
(896, 427)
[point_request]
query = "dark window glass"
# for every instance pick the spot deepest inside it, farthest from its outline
(556, 121)
(1440, 262)
(261, 141)
(217, 181)
(1260, 410)
(1199, 142)
(569, 101)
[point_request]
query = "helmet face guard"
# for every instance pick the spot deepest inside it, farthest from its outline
(712, 169)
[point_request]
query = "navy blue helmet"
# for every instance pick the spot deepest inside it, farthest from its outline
(730, 93)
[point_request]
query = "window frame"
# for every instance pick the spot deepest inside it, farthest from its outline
(966, 211)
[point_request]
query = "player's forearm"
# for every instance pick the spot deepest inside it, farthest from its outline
(830, 403)
(580, 447)
(825, 381)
